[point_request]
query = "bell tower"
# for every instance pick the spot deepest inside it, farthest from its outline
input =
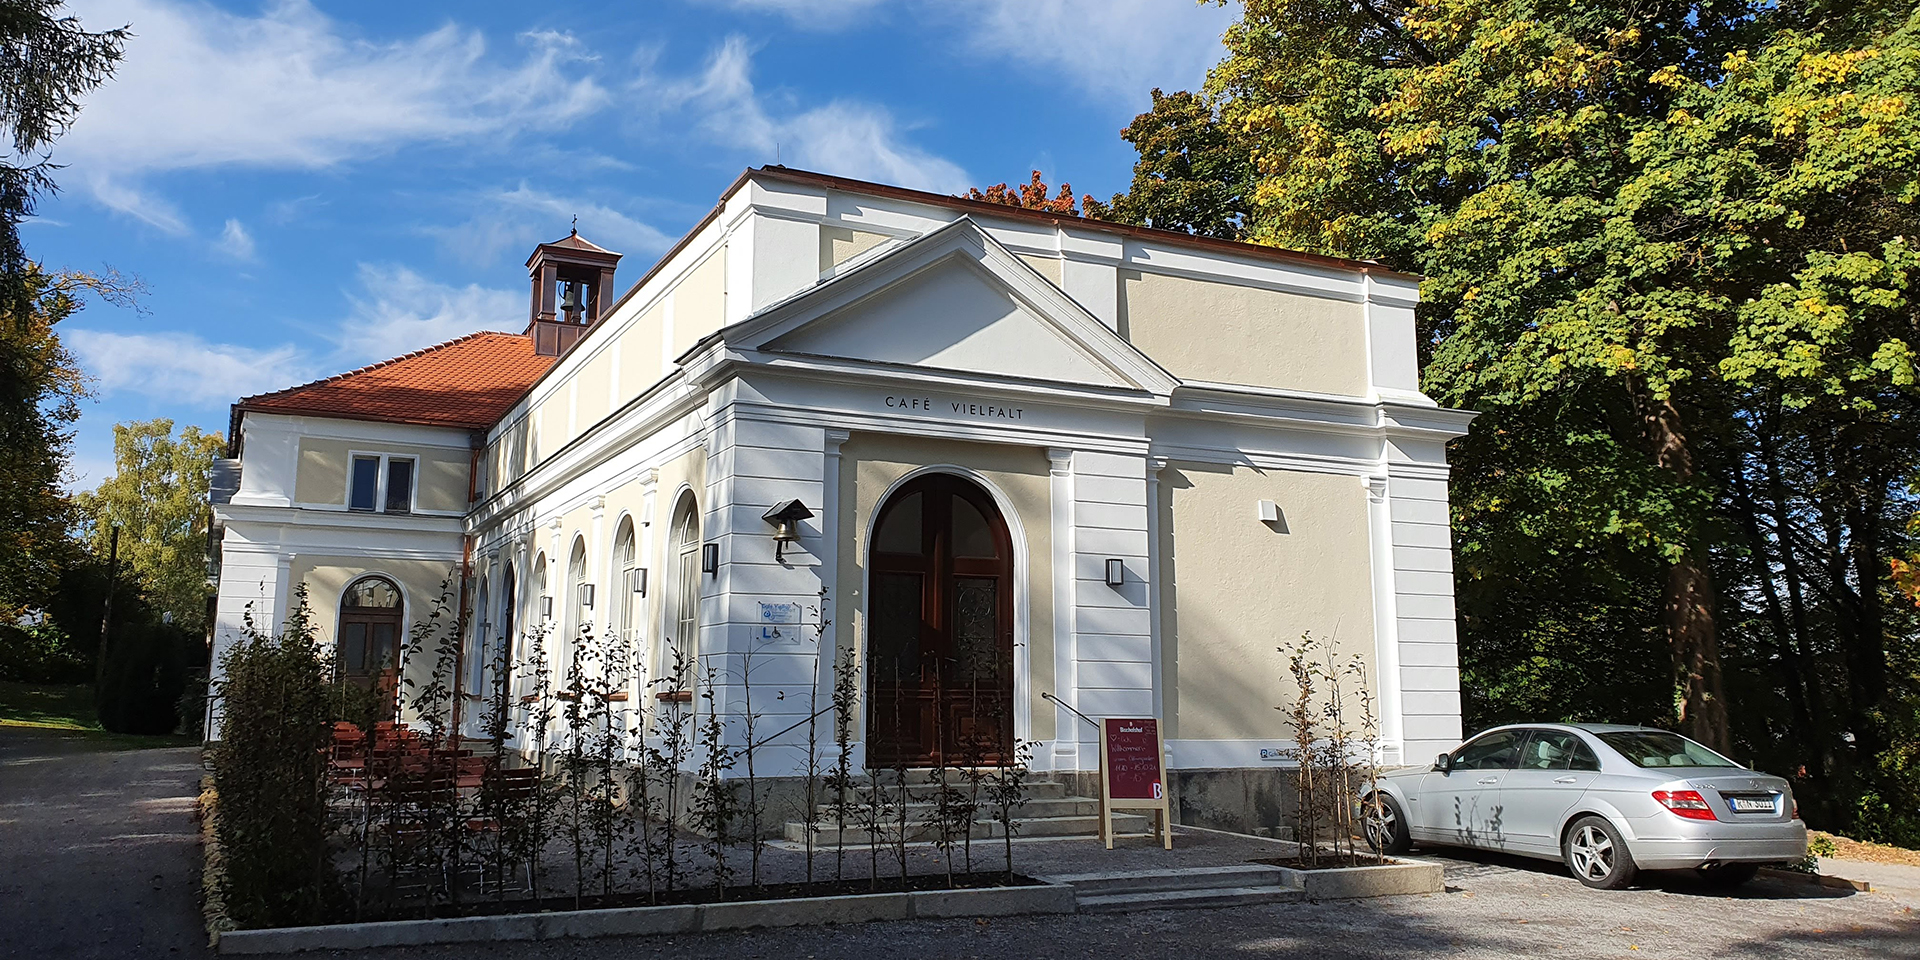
(572, 290)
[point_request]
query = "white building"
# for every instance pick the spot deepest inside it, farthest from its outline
(989, 412)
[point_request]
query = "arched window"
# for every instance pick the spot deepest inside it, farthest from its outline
(579, 615)
(509, 643)
(369, 637)
(684, 619)
(480, 646)
(623, 602)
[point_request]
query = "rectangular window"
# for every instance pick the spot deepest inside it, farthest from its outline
(399, 486)
(366, 480)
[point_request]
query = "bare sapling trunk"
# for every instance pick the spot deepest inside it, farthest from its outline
(1008, 794)
(846, 677)
(901, 804)
(749, 745)
(714, 804)
(1372, 809)
(1301, 666)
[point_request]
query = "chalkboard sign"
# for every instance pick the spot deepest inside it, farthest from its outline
(1132, 772)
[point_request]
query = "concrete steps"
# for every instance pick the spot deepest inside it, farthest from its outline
(1182, 887)
(1048, 812)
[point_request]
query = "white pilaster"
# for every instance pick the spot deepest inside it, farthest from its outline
(1066, 735)
(1386, 632)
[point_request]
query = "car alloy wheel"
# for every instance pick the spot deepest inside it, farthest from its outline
(1597, 856)
(1386, 829)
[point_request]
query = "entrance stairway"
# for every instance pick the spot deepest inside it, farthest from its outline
(1181, 887)
(1048, 812)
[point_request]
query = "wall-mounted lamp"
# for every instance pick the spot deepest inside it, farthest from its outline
(1116, 572)
(546, 608)
(710, 559)
(586, 595)
(1268, 511)
(637, 581)
(785, 517)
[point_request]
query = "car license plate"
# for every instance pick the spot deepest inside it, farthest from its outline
(1752, 804)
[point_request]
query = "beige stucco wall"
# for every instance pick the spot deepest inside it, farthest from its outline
(840, 244)
(590, 401)
(640, 351)
(327, 577)
(440, 479)
(700, 302)
(870, 463)
(1233, 589)
(1201, 330)
(1048, 267)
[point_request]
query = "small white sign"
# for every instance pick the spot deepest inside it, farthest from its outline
(779, 612)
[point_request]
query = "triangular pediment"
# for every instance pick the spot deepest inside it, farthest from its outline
(951, 316)
(954, 300)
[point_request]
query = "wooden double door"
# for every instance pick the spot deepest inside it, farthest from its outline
(940, 638)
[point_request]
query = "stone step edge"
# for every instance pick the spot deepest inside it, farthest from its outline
(1194, 897)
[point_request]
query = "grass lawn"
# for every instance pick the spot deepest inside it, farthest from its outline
(66, 708)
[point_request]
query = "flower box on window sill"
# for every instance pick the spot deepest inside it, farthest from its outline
(567, 695)
(617, 696)
(674, 696)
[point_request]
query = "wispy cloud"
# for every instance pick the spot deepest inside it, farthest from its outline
(391, 310)
(1112, 49)
(182, 367)
(205, 88)
(396, 311)
(235, 241)
(517, 219)
(847, 137)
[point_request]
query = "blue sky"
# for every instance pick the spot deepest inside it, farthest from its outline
(309, 187)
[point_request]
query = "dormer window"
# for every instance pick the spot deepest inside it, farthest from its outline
(380, 482)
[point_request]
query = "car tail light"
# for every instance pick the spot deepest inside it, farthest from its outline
(1685, 803)
(1796, 811)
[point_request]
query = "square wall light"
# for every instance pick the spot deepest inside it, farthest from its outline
(546, 607)
(586, 595)
(1116, 572)
(637, 581)
(710, 559)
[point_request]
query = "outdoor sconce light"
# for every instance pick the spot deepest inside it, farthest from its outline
(1116, 572)
(546, 608)
(1268, 511)
(710, 559)
(586, 595)
(637, 581)
(785, 517)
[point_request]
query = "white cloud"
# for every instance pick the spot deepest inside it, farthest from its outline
(398, 311)
(519, 218)
(393, 311)
(235, 241)
(1113, 49)
(845, 137)
(201, 87)
(182, 367)
(1117, 49)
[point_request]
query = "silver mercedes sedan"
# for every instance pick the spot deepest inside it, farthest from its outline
(1607, 800)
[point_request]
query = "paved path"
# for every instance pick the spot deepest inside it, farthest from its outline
(99, 855)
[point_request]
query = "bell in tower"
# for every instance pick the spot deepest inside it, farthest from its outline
(572, 289)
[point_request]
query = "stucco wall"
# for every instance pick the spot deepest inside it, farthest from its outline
(640, 353)
(699, 303)
(870, 463)
(1226, 333)
(327, 577)
(1048, 267)
(1233, 589)
(840, 244)
(440, 480)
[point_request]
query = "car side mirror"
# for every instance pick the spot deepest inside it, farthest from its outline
(1443, 763)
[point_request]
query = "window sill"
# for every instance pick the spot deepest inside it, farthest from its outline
(674, 696)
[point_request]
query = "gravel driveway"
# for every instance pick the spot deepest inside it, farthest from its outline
(99, 851)
(98, 859)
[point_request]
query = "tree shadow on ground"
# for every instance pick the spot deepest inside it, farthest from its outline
(1463, 863)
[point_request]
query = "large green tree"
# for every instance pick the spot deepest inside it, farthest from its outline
(157, 499)
(1670, 256)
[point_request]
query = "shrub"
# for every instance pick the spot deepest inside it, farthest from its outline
(269, 769)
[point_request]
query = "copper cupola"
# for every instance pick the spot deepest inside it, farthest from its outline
(572, 289)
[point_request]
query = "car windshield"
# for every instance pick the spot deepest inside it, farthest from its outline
(1658, 748)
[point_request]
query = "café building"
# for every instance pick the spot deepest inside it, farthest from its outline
(1014, 464)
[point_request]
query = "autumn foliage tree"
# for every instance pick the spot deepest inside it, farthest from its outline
(1031, 195)
(1669, 256)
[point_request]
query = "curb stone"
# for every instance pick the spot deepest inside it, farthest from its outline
(644, 921)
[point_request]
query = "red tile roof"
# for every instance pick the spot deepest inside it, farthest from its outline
(467, 383)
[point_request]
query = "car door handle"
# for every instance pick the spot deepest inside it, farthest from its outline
(1489, 779)
(1566, 780)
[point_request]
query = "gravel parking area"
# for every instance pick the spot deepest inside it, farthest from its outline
(1495, 907)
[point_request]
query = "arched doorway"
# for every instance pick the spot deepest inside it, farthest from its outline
(367, 648)
(940, 627)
